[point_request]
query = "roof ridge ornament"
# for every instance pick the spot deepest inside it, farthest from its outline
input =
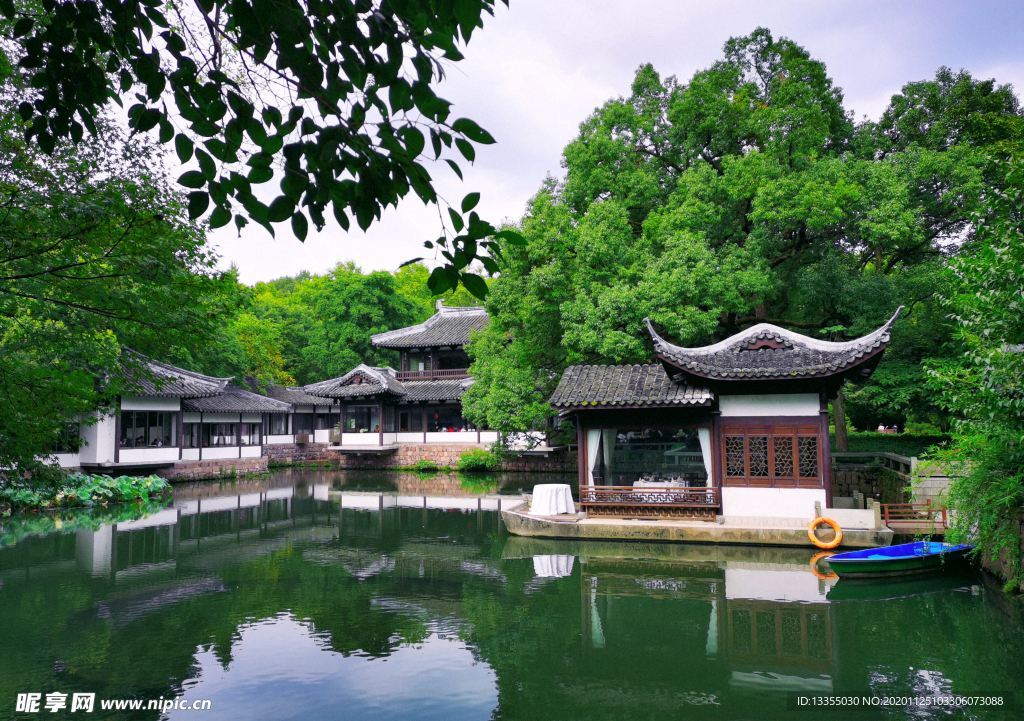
(745, 355)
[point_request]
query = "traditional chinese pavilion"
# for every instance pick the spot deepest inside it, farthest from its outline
(738, 428)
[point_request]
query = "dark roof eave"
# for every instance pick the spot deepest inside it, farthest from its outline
(629, 406)
(875, 355)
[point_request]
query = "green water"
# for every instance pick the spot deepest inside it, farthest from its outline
(275, 599)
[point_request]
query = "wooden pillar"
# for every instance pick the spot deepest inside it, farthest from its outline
(581, 453)
(117, 434)
(380, 421)
(200, 435)
(181, 429)
(341, 423)
(717, 453)
(423, 413)
(238, 435)
(825, 449)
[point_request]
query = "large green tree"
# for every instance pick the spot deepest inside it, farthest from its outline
(96, 253)
(984, 385)
(333, 98)
(746, 195)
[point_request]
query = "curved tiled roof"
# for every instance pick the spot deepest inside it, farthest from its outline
(436, 390)
(146, 377)
(768, 351)
(448, 327)
(236, 400)
(627, 385)
(374, 381)
(296, 395)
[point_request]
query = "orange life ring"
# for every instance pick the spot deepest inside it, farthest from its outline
(814, 566)
(821, 544)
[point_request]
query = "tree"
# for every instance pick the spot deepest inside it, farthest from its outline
(333, 97)
(746, 195)
(96, 253)
(984, 386)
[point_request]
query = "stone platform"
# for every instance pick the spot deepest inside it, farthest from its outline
(749, 531)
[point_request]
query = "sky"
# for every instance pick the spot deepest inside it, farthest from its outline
(540, 67)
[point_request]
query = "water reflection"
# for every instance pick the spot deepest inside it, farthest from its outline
(315, 594)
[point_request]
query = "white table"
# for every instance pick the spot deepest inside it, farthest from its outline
(551, 499)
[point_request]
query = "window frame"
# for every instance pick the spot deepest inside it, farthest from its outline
(771, 429)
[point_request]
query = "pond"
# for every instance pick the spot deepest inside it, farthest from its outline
(295, 596)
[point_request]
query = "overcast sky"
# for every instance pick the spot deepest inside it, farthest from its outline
(540, 67)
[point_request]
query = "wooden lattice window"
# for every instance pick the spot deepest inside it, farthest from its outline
(772, 456)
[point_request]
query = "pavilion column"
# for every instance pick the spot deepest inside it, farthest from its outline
(181, 429)
(200, 435)
(380, 422)
(341, 422)
(117, 434)
(825, 449)
(423, 412)
(238, 435)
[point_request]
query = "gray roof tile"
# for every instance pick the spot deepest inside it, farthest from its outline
(448, 327)
(768, 351)
(146, 377)
(435, 390)
(623, 386)
(374, 381)
(236, 400)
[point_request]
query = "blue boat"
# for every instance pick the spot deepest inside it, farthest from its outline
(906, 558)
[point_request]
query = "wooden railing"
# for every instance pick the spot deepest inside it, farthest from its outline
(918, 515)
(671, 502)
(432, 374)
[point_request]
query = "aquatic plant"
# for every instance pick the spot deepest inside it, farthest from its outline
(82, 489)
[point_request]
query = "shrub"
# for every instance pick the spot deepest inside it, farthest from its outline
(477, 459)
(905, 444)
(425, 466)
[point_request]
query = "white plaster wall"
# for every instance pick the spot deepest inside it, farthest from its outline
(190, 454)
(252, 418)
(323, 436)
(147, 455)
(271, 440)
(216, 454)
(221, 417)
(303, 409)
(457, 437)
(320, 492)
(150, 403)
(773, 584)
(92, 550)
(251, 451)
(189, 417)
(771, 502)
(360, 439)
(410, 437)
(488, 436)
(67, 460)
(99, 439)
(166, 517)
(390, 438)
(789, 404)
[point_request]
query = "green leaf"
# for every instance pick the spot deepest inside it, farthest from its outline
(466, 149)
(456, 220)
(260, 175)
(472, 131)
(183, 146)
(220, 217)
(206, 164)
(281, 209)
(438, 281)
(300, 226)
(23, 27)
(454, 166)
(475, 285)
(511, 237)
(198, 202)
(192, 179)
(470, 201)
(166, 131)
